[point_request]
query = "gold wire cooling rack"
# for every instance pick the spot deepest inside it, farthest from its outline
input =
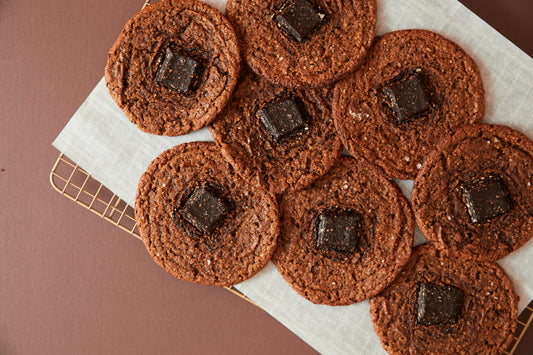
(71, 181)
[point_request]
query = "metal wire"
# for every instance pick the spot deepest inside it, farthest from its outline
(146, 3)
(76, 184)
(522, 325)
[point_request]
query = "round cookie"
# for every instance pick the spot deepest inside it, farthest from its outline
(281, 138)
(295, 43)
(440, 305)
(173, 67)
(415, 88)
(473, 195)
(346, 237)
(200, 221)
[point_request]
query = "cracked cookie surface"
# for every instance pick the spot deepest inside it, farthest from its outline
(415, 88)
(473, 195)
(486, 309)
(330, 265)
(191, 30)
(200, 221)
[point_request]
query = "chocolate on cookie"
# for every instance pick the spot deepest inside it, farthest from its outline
(346, 237)
(200, 221)
(281, 138)
(295, 43)
(173, 67)
(441, 305)
(473, 195)
(414, 88)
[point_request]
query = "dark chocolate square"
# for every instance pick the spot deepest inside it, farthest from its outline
(281, 118)
(408, 97)
(298, 19)
(338, 230)
(204, 210)
(486, 198)
(178, 72)
(438, 304)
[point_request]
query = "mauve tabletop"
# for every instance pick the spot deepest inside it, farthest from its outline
(70, 283)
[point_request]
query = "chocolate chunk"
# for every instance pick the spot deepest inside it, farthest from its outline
(486, 198)
(281, 118)
(338, 230)
(178, 72)
(204, 210)
(298, 19)
(408, 97)
(438, 304)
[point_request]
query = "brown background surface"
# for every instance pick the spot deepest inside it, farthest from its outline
(71, 283)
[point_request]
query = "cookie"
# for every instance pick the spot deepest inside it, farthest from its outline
(200, 221)
(474, 194)
(441, 305)
(415, 88)
(296, 43)
(173, 67)
(346, 237)
(281, 138)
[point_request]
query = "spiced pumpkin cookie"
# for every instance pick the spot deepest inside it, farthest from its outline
(346, 237)
(200, 221)
(295, 43)
(474, 194)
(415, 88)
(441, 305)
(173, 67)
(281, 138)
